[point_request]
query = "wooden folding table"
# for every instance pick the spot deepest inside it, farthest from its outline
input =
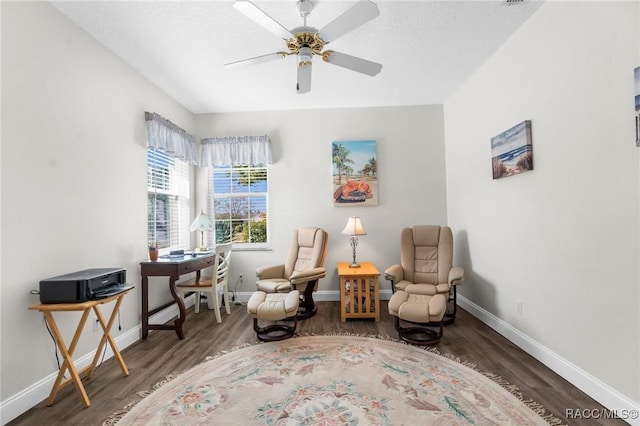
(67, 353)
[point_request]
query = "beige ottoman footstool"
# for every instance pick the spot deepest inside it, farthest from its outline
(274, 307)
(423, 311)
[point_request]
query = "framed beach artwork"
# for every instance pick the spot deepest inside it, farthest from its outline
(511, 151)
(636, 77)
(355, 173)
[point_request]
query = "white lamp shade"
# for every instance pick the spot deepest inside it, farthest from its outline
(202, 222)
(354, 227)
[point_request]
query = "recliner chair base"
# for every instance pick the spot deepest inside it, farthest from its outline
(304, 314)
(450, 317)
(307, 307)
(420, 334)
(275, 332)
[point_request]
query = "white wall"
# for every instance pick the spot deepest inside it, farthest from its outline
(562, 238)
(73, 176)
(410, 155)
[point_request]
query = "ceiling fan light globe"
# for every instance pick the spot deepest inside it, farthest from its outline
(305, 55)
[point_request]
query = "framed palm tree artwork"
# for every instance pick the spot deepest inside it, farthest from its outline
(355, 173)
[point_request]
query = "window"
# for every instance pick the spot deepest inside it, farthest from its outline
(238, 204)
(168, 200)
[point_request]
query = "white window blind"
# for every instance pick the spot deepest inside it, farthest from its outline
(168, 200)
(238, 203)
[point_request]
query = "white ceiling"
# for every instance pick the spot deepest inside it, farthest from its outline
(427, 48)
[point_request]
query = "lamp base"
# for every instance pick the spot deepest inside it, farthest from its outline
(203, 248)
(353, 241)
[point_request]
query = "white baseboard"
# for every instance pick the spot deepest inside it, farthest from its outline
(28, 398)
(601, 392)
(39, 391)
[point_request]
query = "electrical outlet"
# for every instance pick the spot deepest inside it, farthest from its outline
(96, 324)
(240, 277)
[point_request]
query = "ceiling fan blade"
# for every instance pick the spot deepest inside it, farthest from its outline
(304, 77)
(351, 62)
(358, 15)
(257, 15)
(260, 59)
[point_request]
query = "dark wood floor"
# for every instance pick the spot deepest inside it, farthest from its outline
(161, 354)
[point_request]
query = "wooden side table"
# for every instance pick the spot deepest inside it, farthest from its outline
(359, 291)
(67, 353)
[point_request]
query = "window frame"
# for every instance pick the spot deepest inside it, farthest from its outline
(212, 196)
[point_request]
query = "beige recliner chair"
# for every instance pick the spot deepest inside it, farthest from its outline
(425, 270)
(301, 271)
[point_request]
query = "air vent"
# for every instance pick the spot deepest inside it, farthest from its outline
(513, 2)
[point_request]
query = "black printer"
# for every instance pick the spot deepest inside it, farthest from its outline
(82, 285)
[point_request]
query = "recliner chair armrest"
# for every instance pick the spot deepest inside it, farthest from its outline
(308, 275)
(267, 272)
(394, 273)
(456, 275)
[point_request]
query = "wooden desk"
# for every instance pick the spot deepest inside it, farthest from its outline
(359, 291)
(67, 353)
(172, 268)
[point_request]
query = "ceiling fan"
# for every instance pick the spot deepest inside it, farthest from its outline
(306, 41)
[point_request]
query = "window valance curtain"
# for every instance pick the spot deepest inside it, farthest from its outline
(166, 136)
(235, 151)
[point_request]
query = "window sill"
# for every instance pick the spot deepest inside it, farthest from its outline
(245, 248)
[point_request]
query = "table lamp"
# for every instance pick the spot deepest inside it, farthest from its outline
(354, 228)
(202, 223)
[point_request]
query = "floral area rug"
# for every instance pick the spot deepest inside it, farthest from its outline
(332, 380)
